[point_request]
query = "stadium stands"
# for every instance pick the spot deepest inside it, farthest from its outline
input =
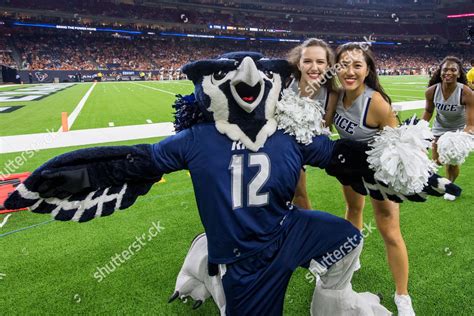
(6, 58)
(422, 44)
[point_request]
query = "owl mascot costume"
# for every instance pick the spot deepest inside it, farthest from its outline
(244, 143)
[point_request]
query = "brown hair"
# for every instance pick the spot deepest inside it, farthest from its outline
(436, 77)
(372, 80)
(294, 57)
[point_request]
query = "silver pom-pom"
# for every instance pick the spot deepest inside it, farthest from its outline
(399, 157)
(454, 147)
(301, 117)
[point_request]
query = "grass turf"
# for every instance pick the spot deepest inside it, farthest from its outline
(50, 268)
(130, 104)
(41, 115)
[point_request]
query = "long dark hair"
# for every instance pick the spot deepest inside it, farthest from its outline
(294, 57)
(436, 77)
(372, 80)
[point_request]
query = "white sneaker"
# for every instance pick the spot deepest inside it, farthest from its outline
(449, 197)
(404, 306)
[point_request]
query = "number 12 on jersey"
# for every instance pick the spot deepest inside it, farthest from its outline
(254, 198)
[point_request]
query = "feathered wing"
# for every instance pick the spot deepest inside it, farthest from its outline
(394, 167)
(88, 183)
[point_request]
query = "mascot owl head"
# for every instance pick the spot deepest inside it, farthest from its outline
(239, 92)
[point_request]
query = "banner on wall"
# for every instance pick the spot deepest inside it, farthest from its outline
(48, 76)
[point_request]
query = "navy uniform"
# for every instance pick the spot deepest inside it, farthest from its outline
(244, 202)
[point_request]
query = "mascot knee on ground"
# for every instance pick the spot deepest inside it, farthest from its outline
(244, 143)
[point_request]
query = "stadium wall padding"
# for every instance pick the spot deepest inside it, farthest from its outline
(47, 76)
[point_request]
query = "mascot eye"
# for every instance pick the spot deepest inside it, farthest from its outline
(219, 75)
(269, 74)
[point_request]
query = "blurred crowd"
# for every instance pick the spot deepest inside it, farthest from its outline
(6, 54)
(311, 19)
(74, 51)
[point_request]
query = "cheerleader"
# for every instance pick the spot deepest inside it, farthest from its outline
(454, 102)
(363, 109)
(310, 62)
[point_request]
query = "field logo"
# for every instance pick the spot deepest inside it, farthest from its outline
(9, 109)
(33, 92)
(41, 76)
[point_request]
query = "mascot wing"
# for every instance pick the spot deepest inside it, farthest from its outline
(88, 183)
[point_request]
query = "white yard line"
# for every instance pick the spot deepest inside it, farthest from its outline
(9, 85)
(174, 82)
(152, 88)
(72, 117)
(408, 83)
(405, 89)
(410, 105)
(407, 98)
(22, 143)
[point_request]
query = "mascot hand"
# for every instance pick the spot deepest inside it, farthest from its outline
(88, 183)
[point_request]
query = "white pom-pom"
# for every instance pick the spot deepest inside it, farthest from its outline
(454, 147)
(399, 157)
(301, 117)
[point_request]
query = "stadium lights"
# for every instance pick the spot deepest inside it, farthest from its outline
(76, 28)
(206, 36)
(464, 15)
(372, 43)
(244, 28)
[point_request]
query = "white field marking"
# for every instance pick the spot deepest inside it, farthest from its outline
(404, 89)
(409, 83)
(149, 121)
(152, 88)
(20, 143)
(111, 124)
(181, 83)
(410, 105)
(73, 116)
(5, 220)
(22, 92)
(404, 97)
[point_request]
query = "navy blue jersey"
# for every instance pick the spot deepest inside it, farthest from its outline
(243, 197)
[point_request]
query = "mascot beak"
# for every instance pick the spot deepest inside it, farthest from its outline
(247, 85)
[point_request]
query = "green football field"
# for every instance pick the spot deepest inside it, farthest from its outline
(48, 267)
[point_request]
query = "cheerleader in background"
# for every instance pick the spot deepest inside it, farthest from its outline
(454, 102)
